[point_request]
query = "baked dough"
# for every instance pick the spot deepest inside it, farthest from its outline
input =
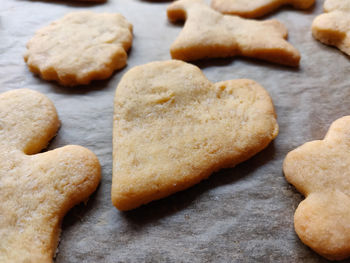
(37, 189)
(209, 34)
(173, 128)
(80, 47)
(256, 8)
(320, 171)
(333, 27)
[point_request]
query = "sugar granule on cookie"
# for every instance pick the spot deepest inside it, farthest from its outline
(333, 27)
(256, 8)
(37, 189)
(173, 128)
(209, 34)
(80, 47)
(320, 171)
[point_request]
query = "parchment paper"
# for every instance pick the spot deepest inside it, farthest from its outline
(243, 214)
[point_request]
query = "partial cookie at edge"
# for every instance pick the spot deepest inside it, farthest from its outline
(37, 189)
(320, 171)
(333, 27)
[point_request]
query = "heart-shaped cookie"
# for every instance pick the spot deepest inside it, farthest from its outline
(173, 128)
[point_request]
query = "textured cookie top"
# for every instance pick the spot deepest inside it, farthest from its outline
(333, 27)
(37, 190)
(334, 5)
(256, 8)
(80, 47)
(97, 1)
(207, 33)
(173, 128)
(320, 171)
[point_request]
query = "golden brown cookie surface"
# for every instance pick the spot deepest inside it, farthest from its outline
(209, 34)
(90, 1)
(320, 171)
(97, 1)
(256, 8)
(37, 189)
(173, 128)
(80, 47)
(333, 27)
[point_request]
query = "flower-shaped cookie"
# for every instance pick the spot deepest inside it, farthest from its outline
(256, 8)
(173, 128)
(333, 27)
(80, 47)
(320, 171)
(210, 34)
(37, 189)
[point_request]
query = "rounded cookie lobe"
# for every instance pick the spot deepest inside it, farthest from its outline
(321, 223)
(28, 120)
(80, 47)
(173, 128)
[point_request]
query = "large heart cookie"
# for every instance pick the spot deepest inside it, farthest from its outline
(320, 171)
(256, 8)
(333, 27)
(210, 34)
(173, 128)
(37, 189)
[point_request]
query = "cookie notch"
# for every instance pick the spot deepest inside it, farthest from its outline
(173, 128)
(333, 27)
(80, 47)
(209, 34)
(257, 8)
(37, 189)
(320, 171)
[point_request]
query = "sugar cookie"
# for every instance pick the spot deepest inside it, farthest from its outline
(256, 8)
(320, 171)
(37, 189)
(208, 34)
(173, 128)
(97, 1)
(333, 27)
(80, 47)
